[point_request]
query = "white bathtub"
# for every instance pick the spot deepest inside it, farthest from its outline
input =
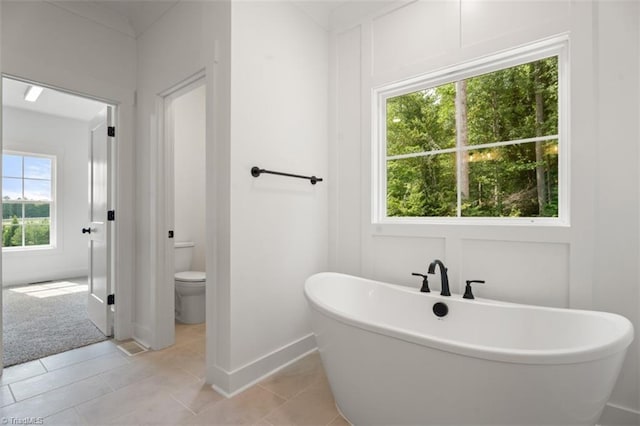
(391, 361)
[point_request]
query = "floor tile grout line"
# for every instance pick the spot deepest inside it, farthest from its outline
(308, 386)
(271, 391)
(80, 416)
(62, 387)
(78, 362)
(65, 385)
(286, 400)
(184, 370)
(100, 376)
(184, 405)
(105, 382)
(71, 407)
(12, 395)
(333, 419)
(115, 419)
(62, 410)
(178, 361)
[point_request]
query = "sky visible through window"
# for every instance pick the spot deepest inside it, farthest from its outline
(26, 178)
(28, 198)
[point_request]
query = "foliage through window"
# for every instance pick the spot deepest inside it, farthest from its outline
(27, 197)
(482, 145)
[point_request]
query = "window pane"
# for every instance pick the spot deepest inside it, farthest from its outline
(422, 186)
(421, 121)
(12, 165)
(515, 103)
(517, 180)
(36, 231)
(37, 190)
(11, 189)
(37, 168)
(12, 231)
(37, 211)
(9, 210)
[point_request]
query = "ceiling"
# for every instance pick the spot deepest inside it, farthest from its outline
(320, 11)
(134, 17)
(50, 102)
(139, 14)
(131, 18)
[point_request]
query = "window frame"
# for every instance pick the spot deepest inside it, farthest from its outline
(52, 204)
(556, 46)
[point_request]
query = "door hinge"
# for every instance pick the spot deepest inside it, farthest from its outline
(111, 299)
(111, 215)
(111, 131)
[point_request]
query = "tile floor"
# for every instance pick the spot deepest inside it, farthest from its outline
(99, 384)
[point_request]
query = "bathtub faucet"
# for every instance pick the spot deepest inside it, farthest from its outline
(443, 276)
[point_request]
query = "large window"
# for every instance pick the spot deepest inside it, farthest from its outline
(27, 197)
(482, 140)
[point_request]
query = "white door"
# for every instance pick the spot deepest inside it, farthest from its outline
(98, 231)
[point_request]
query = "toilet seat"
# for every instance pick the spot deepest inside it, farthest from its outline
(191, 276)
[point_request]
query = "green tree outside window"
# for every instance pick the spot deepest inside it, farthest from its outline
(466, 144)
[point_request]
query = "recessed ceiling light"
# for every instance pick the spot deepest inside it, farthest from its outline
(32, 93)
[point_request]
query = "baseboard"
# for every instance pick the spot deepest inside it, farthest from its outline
(615, 415)
(230, 383)
(44, 276)
(142, 335)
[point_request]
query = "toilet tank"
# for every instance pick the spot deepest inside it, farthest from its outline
(183, 255)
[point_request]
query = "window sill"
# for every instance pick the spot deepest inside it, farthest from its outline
(29, 249)
(549, 231)
(476, 221)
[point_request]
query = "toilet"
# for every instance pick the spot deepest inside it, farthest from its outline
(190, 286)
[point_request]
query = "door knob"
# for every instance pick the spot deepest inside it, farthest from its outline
(86, 230)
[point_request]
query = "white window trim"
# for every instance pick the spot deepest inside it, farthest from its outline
(52, 204)
(555, 46)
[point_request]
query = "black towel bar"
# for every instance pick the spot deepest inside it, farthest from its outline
(256, 171)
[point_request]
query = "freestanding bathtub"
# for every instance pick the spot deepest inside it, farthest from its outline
(391, 361)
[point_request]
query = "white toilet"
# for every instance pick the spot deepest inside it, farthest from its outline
(190, 286)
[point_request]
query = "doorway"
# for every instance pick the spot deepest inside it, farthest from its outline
(185, 180)
(57, 250)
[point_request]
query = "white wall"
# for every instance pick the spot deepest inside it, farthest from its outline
(189, 172)
(279, 226)
(615, 289)
(50, 45)
(68, 140)
(191, 37)
(582, 266)
(266, 235)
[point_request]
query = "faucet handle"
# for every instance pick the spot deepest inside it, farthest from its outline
(425, 282)
(467, 290)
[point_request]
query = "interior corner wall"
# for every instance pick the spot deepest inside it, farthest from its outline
(93, 60)
(616, 289)
(279, 225)
(593, 263)
(68, 140)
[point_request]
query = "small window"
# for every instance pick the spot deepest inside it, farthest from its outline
(27, 197)
(479, 141)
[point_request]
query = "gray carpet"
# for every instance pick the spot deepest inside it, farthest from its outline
(45, 319)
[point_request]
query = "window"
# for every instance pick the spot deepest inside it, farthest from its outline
(27, 197)
(483, 140)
